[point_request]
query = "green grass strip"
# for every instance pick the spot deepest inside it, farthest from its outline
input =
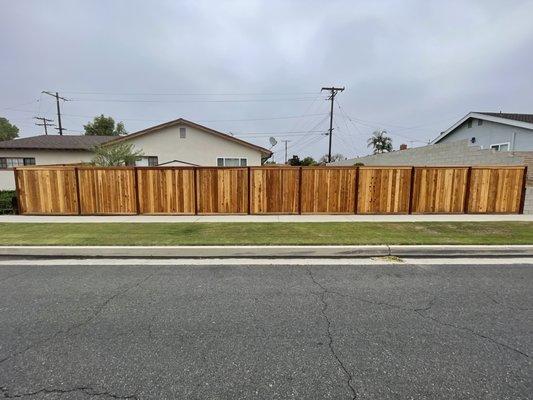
(251, 233)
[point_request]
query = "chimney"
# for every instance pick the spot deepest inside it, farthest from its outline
(403, 146)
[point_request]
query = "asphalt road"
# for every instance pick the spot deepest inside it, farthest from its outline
(238, 332)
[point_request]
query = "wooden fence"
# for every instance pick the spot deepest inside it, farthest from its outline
(70, 190)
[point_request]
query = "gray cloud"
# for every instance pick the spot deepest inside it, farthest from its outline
(412, 67)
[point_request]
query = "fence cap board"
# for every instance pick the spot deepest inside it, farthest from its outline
(386, 167)
(164, 167)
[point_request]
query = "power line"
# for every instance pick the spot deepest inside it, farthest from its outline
(191, 93)
(45, 123)
(192, 101)
(333, 90)
(56, 95)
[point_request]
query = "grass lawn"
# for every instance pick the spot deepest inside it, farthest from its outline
(266, 233)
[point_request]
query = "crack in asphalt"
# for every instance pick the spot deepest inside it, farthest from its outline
(81, 389)
(515, 308)
(322, 299)
(83, 323)
(419, 312)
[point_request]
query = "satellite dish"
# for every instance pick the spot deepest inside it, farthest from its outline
(273, 141)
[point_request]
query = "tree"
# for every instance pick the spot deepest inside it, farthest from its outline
(380, 142)
(8, 131)
(308, 161)
(294, 161)
(115, 155)
(104, 126)
(334, 157)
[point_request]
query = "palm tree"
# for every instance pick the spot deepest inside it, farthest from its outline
(380, 142)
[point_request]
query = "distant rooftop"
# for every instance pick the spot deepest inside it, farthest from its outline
(516, 117)
(56, 142)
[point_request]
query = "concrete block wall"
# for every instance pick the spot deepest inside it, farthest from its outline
(528, 202)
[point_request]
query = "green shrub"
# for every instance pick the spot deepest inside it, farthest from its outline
(6, 201)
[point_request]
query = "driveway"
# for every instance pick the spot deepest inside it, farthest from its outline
(287, 332)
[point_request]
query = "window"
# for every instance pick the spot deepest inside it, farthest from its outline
(469, 123)
(232, 162)
(10, 162)
(479, 122)
(149, 161)
(183, 133)
(500, 146)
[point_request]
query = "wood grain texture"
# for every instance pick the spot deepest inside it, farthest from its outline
(47, 191)
(222, 190)
(439, 190)
(495, 190)
(274, 190)
(383, 190)
(166, 190)
(328, 190)
(107, 191)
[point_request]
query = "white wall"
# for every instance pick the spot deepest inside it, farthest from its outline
(42, 157)
(198, 147)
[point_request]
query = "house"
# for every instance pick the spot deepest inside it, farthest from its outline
(178, 142)
(496, 131)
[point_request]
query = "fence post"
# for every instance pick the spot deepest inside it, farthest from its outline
(467, 190)
(195, 190)
(17, 191)
(356, 188)
(300, 190)
(249, 190)
(523, 196)
(136, 183)
(411, 187)
(78, 199)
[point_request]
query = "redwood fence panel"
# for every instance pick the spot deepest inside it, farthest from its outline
(439, 190)
(384, 190)
(274, 190)
(269, 190)
(328, 190)
(222, 190)
(50, 190)
(496, 190)
(107, 191)
(166, 190)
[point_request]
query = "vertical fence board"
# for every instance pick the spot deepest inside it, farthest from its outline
(328, 190)
(495, 189)
(47, 191)
(222, 190)
(275, 190)
(383, 190)
(107, 191)
(269, 190)
(166, 190)
(439, 190)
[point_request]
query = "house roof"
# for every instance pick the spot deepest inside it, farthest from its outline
(518, 120)
(181, 121)
(56, 142)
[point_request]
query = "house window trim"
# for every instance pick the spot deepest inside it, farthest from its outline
(239, 158)
(500, 144)
(20, 165)
(184, 130)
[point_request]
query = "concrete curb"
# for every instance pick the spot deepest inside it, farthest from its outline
(265, 251)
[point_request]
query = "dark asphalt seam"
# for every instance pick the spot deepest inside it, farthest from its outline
(80, 324)
(321, 297)
(83, 389)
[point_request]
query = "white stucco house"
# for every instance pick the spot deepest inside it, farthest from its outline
(178, 142)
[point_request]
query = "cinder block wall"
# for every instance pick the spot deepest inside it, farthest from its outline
(453, 153)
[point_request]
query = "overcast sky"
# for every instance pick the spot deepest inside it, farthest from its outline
(254, 68)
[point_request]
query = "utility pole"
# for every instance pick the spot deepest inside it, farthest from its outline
(333, 91)
(56, 95)
(286, 141)
(45, 123)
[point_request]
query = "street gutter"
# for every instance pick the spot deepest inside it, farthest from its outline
(268, 251)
